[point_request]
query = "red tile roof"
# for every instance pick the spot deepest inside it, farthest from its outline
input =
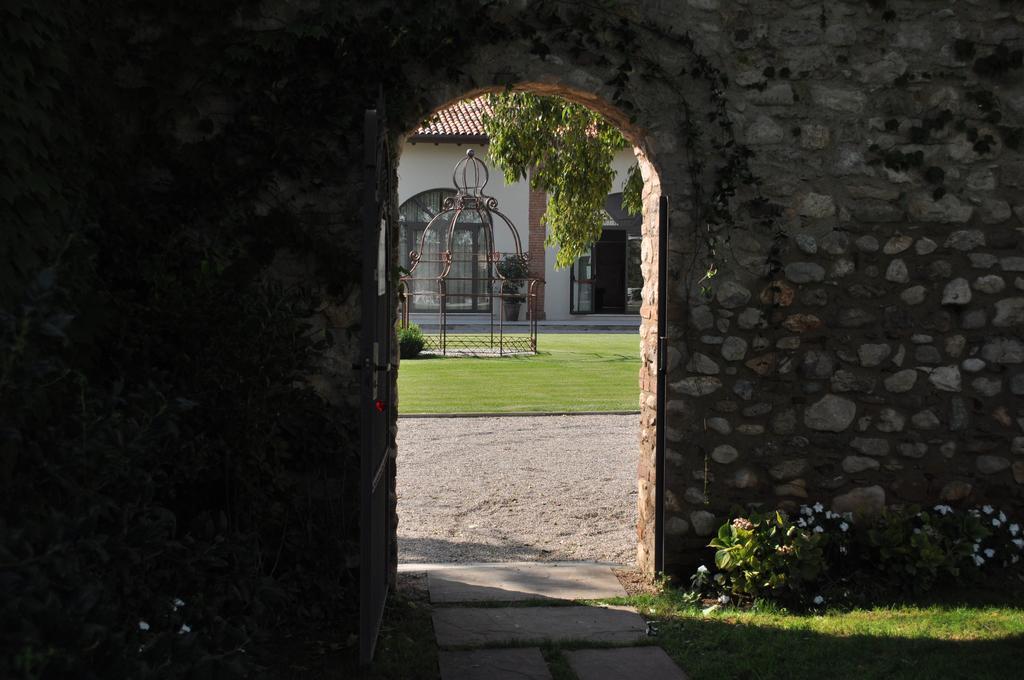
(460, 120)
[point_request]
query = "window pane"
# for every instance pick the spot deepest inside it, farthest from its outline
(634, 276)
(582, 286)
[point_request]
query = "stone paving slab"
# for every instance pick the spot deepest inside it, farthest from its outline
(494, 664)
(624, 662)
(457, 626)
(525, 581)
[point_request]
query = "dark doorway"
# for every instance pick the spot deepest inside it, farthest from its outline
(609, 273)
(608, 280)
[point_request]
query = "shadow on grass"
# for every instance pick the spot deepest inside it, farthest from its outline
(712, 648)
(725, 647)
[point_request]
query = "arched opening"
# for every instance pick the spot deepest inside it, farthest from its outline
(628, 256)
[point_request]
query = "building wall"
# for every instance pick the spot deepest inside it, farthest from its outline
(870, 352)
(866, 348)
(426, 165)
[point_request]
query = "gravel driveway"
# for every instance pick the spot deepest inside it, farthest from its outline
(525, 488)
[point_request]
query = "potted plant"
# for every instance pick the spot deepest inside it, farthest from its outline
(514, 270)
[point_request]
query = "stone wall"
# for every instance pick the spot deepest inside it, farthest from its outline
(880, 360)
(862, 351)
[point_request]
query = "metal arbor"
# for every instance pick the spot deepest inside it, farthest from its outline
(440, 272)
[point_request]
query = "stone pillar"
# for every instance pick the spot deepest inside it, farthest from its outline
(646, 497)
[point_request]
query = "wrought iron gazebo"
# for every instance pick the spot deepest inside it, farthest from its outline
(445, 275)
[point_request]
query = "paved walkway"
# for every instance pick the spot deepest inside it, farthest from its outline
(493, 642)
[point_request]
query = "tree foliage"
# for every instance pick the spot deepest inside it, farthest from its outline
(565, 149)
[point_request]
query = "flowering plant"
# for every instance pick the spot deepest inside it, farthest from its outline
(914, 548)
(767, 556)
(822, 556)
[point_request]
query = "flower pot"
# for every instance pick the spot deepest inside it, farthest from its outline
(512, 311)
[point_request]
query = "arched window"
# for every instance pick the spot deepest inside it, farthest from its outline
(467, 281)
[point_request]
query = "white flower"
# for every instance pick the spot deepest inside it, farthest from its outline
(178, 602)
(801, 522)
(143, 625)
(1014, 529)
(978, 560)
(830, 515)
(987, 509)
(1019, 542)
(185, 628)
(916, 530)
(819, 529)
(996, 522)
(990, 553)
(842, 549)
(1014, 559)
(943, 509)
(977, 546)
(804, 510)
(1002, 516)
(702, 569)
(843, 526)
(818, 599)
(723, 599)
(818, 507)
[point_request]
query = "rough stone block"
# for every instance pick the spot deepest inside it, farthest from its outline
(830, 414)
(863, 501)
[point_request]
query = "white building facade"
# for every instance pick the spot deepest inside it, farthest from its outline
(601, 288)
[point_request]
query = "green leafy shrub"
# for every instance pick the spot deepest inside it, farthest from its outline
(767, 556)
(515, 270)
(913, 549)
(135, 543)
(410, 341)
(822, 556)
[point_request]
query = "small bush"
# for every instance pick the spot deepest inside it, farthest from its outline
(515, 270)
(410, 341)
(767, 556)
(822, 556)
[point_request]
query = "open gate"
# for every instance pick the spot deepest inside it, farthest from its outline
(377, 457)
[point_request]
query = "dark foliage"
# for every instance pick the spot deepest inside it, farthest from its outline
(174, 271)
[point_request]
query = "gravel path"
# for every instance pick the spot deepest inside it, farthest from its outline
(517, 488)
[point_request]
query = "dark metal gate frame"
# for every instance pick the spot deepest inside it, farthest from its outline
(662, 377)
(377, 455)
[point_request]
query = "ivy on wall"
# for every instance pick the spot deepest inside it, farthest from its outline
(159, 440)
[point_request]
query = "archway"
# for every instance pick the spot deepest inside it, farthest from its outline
(649, 520)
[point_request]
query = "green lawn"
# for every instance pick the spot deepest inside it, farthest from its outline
(905, 642)
(572, 372)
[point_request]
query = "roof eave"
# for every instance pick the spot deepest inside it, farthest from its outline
(448, 139)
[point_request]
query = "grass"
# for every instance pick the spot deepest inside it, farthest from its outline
(952, 640)
(572, 372)
(906, 641)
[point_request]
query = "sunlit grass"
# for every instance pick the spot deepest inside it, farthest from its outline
(900, 642)
(905, 641)
(572, 372)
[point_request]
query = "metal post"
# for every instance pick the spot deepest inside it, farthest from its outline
(659, 447)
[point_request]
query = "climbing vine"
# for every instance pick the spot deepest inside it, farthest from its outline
(177, 424)
(564, 149)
